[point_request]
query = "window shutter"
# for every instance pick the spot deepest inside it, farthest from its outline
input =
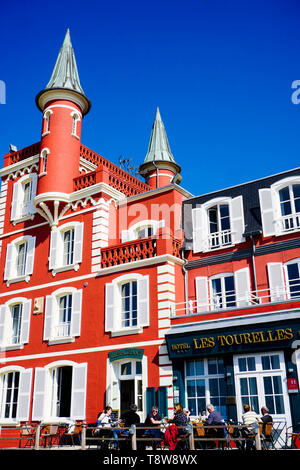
(200, 229)
(237, 219)
(39, 394)
(78, 242)
(2, 323)
(267, 212)
(162, 395)
(30, 255)
(143, 301)
(49, 307)
(202, 294)
(242, 286)
(24, 395)
(8, 263)
(76, 313)
(78, 391)
(26, 312)
(150, 399)
(32, 209)
(53, 248)
(109, 306)
(276, 282)
(16, 200)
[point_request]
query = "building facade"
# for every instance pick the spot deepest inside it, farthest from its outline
(235, 339)
(90, 255)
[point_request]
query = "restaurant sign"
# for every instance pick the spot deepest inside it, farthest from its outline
(231, 341)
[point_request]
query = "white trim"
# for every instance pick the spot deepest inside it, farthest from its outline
(8, 170)
(63, 106)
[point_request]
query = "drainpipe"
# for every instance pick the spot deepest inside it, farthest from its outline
(185, 274)
(252, 235)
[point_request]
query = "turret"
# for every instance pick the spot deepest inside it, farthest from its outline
(63, 104)
(159, 167)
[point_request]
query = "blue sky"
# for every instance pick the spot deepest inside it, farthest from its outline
(220, 71)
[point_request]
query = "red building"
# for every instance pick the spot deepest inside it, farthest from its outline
(90, 256)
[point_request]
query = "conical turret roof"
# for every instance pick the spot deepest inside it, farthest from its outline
(159, 148)
(65, 74)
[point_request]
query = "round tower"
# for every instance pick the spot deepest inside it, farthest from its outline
(63, 104)
(159, 167)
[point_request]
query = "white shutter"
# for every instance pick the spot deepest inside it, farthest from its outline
(10, 252)
(143, 301)
(2, 323)
(26, 312)
(49, 310)
(78, 391)
(32, 209)
(16, 201)
(267, 212)
(24, 395)
(202, 294)
(237, 220)
(78, 242)
(110, 306)
(200, 229)
(276, 282)
(53, 248)
(242, 286)
(30, 255)
(39, 394)
(76, 313)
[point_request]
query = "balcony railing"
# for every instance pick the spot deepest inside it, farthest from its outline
(219, 239)
(62, 330)
(22, 154)
(290, 222)
(140, 249)
(233, 301)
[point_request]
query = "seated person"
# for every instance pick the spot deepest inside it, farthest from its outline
(214, 419)
(104, 421)
(153, 419)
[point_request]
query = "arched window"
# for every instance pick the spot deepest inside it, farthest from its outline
(15, 322)
(15, 388)
(44, 161)
(19, 259)
(46, 122)
(24, 192)
(75, 120)
(66, 247)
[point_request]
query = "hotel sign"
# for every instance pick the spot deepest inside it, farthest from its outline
(127, 353)
(231, 341)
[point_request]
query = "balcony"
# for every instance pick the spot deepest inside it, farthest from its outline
(289, 223)
(227, 304)
(137, 250)
(219, 239)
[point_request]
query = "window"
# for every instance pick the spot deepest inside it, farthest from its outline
(222, 291)
(205, 383)
(60, 392)
(218, 223)
(127, 304)
(63, 315)
(284, 280)
(143, 229)
(75, 120)
(24, 192)
(280, 207)
(14, 323)
(44, 161)
(19, 259)
(66, 247)
(46, 122)
(15, 387)
(260, 380)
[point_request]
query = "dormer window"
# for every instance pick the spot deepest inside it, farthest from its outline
(142, 229)
(24, 192)
(280, 207)
(218, 223)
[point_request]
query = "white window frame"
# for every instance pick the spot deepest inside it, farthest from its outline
(272, 220)
(24, 394)
(10, 271)
(46, 122)
(75, 119)
(56, 254)
(6, 326)
(133, 232)
(259, 373)
(42, 396)
(44, 161)
(229, 238)
(113, 305)
(204, 291)
(52, 331)
(19, 210)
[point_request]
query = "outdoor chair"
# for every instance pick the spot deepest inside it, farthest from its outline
(27, 433)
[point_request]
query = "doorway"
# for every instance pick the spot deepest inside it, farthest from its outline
(127, 394)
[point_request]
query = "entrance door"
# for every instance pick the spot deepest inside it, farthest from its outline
(127, 394)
